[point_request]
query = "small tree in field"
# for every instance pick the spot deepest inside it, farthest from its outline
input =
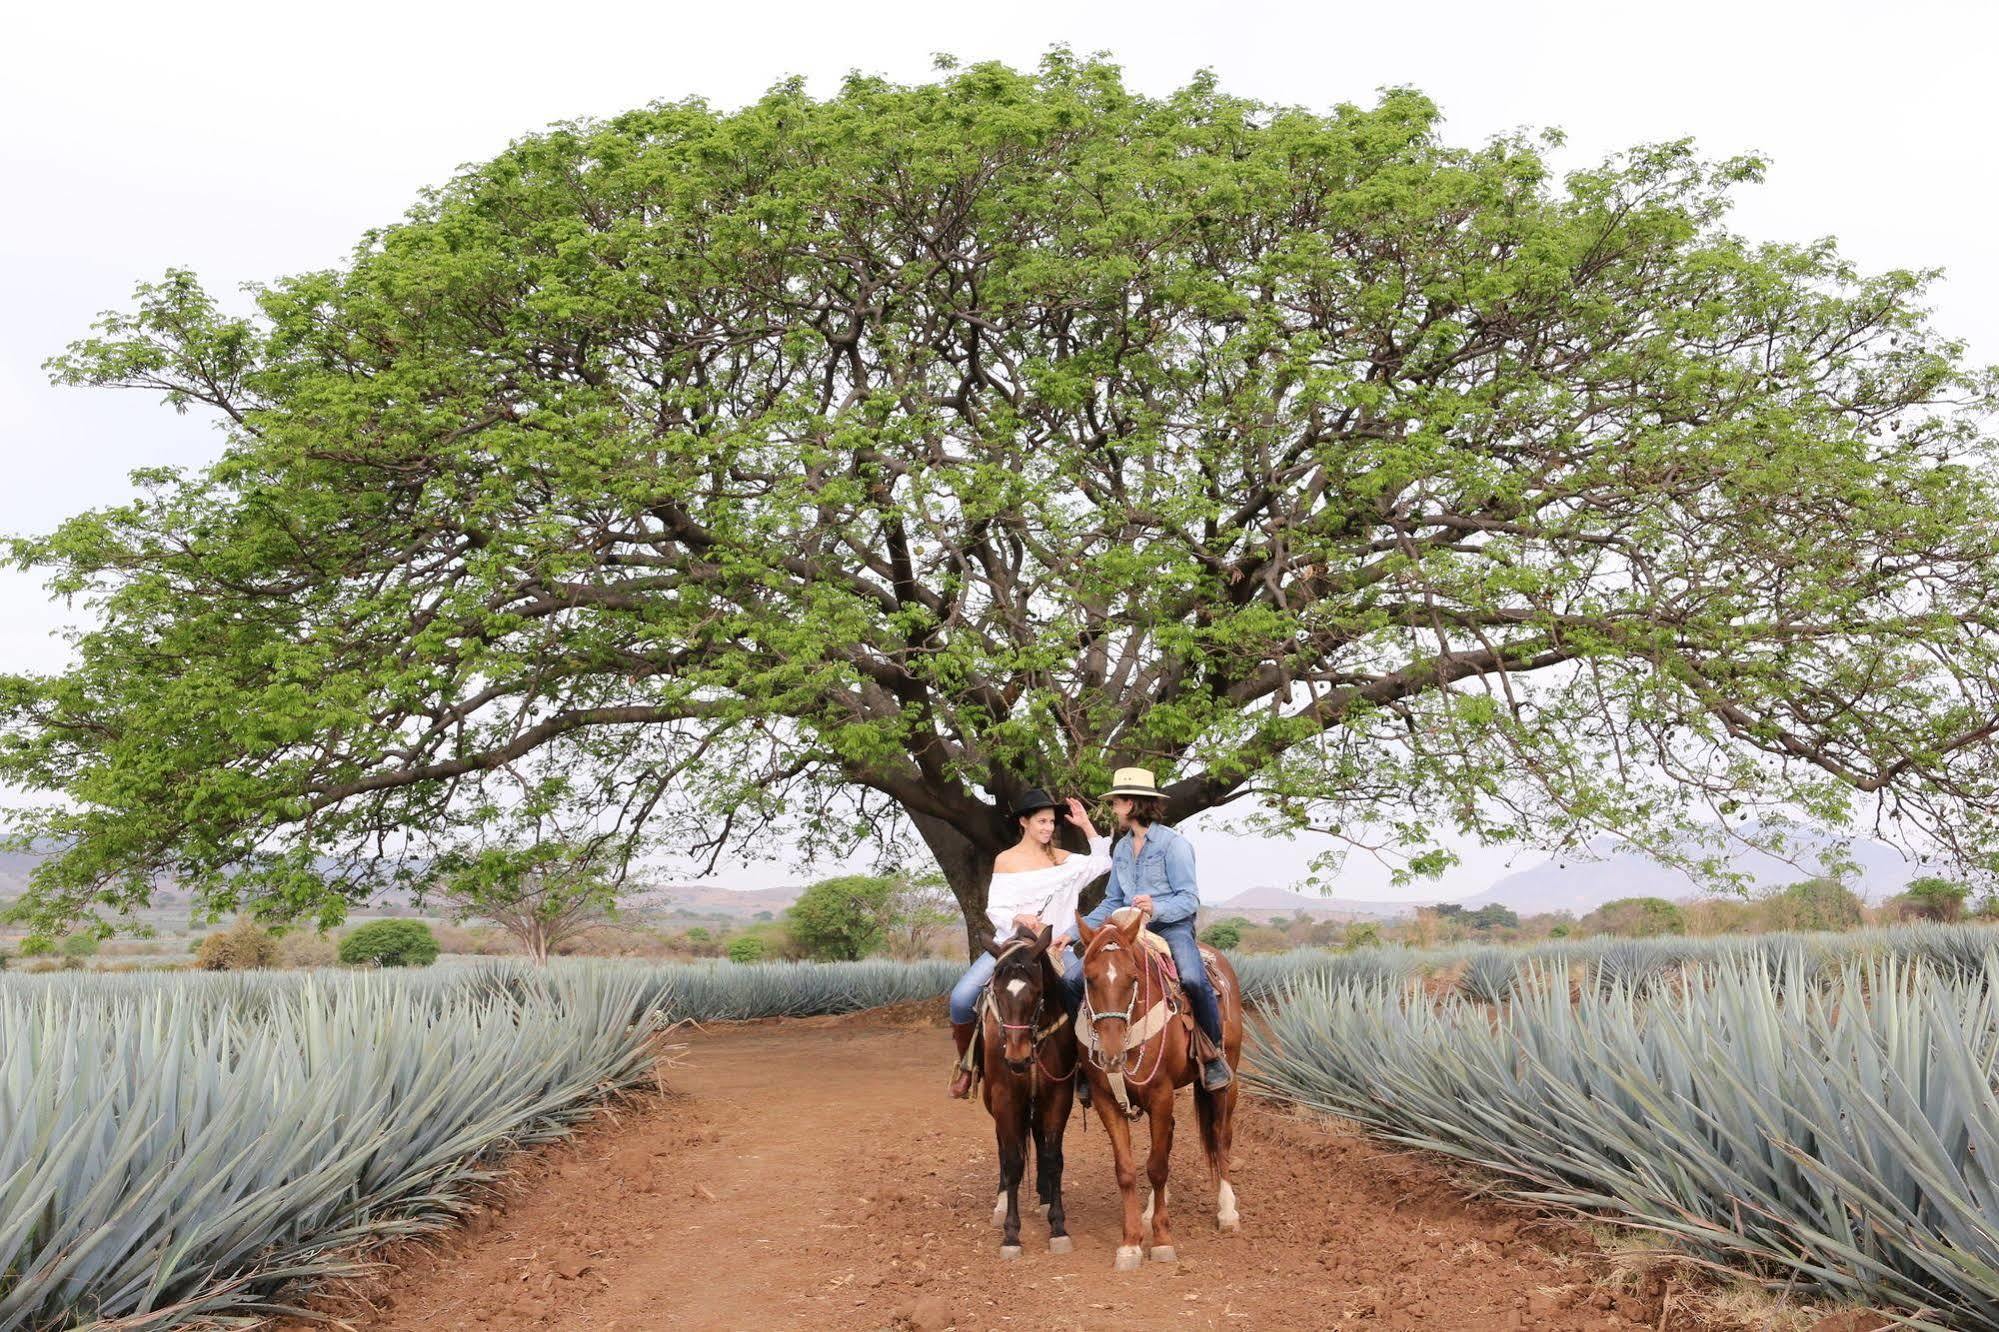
(917, 908)
(542, 894)
(1636, 918)
(842, 919)
(390, 943)
(1933, 898)
(1815, 904)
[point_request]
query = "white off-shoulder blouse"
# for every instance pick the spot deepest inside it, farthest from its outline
(1049, 892)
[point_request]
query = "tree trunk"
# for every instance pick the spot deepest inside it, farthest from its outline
(968, 869)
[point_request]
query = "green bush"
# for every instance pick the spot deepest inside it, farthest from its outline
(37, 946)
(841, 920)
(1224, 934)
(390, 943)
(1636, 918)
(746, 948)
(77, 947)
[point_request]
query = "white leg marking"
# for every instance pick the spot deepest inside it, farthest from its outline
(1130, 1257)
(1145, 1217)
(1226, 1215)
(999, 1208)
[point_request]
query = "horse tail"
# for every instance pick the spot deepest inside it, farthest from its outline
(1210, 1123)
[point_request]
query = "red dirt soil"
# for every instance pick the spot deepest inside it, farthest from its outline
(812, 1174)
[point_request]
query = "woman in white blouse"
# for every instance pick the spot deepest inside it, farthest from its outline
(1035, 883)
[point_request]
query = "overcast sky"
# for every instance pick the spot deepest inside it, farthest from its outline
(246, 141)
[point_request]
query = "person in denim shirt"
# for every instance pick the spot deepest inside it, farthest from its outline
(1152, 868)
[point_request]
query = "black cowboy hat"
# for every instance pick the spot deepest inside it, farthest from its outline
(1032, 801)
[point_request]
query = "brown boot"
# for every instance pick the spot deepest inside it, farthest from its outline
(961, 1034)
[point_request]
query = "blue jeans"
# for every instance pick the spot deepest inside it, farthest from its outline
(965, 994)
(1179, 936)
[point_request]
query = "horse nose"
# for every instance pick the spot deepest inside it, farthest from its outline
(1017, 1065)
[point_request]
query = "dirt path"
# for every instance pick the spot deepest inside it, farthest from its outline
(813, 1175)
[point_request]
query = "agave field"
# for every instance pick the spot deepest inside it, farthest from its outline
(178, 1148)
(1815, 1109)
(182, 1147)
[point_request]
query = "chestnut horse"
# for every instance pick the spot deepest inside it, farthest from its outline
(1140, 1041)
(1028, 1046)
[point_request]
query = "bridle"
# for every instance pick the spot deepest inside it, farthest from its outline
(1147, 966)
(1039, 1035)
(1124, 1016)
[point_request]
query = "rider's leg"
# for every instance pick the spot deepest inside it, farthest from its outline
(1072, 999)
(964, 1014)
(1200, 996)
(1072, 981)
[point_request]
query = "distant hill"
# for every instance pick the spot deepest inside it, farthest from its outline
(1582, 881)
(714, 899)
(1269, 900)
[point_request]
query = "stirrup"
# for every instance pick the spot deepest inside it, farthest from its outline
(1216, 1074)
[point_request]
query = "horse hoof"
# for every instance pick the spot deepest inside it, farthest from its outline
(1061, 1244)
(1163, 1253)
(1130, 1258)
(1009, 1251)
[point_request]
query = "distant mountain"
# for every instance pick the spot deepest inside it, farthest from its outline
(1269, 900)
(714, 899)
(1582, 881)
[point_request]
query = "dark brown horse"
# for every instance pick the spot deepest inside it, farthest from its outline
(1140, 1040)
(1029, 1049)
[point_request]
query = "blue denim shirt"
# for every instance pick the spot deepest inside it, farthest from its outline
(1165, 869)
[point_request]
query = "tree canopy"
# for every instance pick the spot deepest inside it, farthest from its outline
(831, 469)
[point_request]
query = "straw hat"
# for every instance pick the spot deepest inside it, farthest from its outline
(1133, 782)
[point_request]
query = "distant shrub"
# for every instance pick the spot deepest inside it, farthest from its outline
(1636, 918)
(37, 946)
(244, 946)
(1224, 934)
(307, 948)
(390, 943)
(1362, 934)
(1263, 939)
(77, 947)
(1931, 898)
(1814, 904)
(746, 948)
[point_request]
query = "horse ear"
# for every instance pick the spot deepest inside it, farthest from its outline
(1131, 927)
(1085, 931)
(1045, 940)
(993, 946)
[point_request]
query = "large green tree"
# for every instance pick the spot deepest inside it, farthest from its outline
(829, 470)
